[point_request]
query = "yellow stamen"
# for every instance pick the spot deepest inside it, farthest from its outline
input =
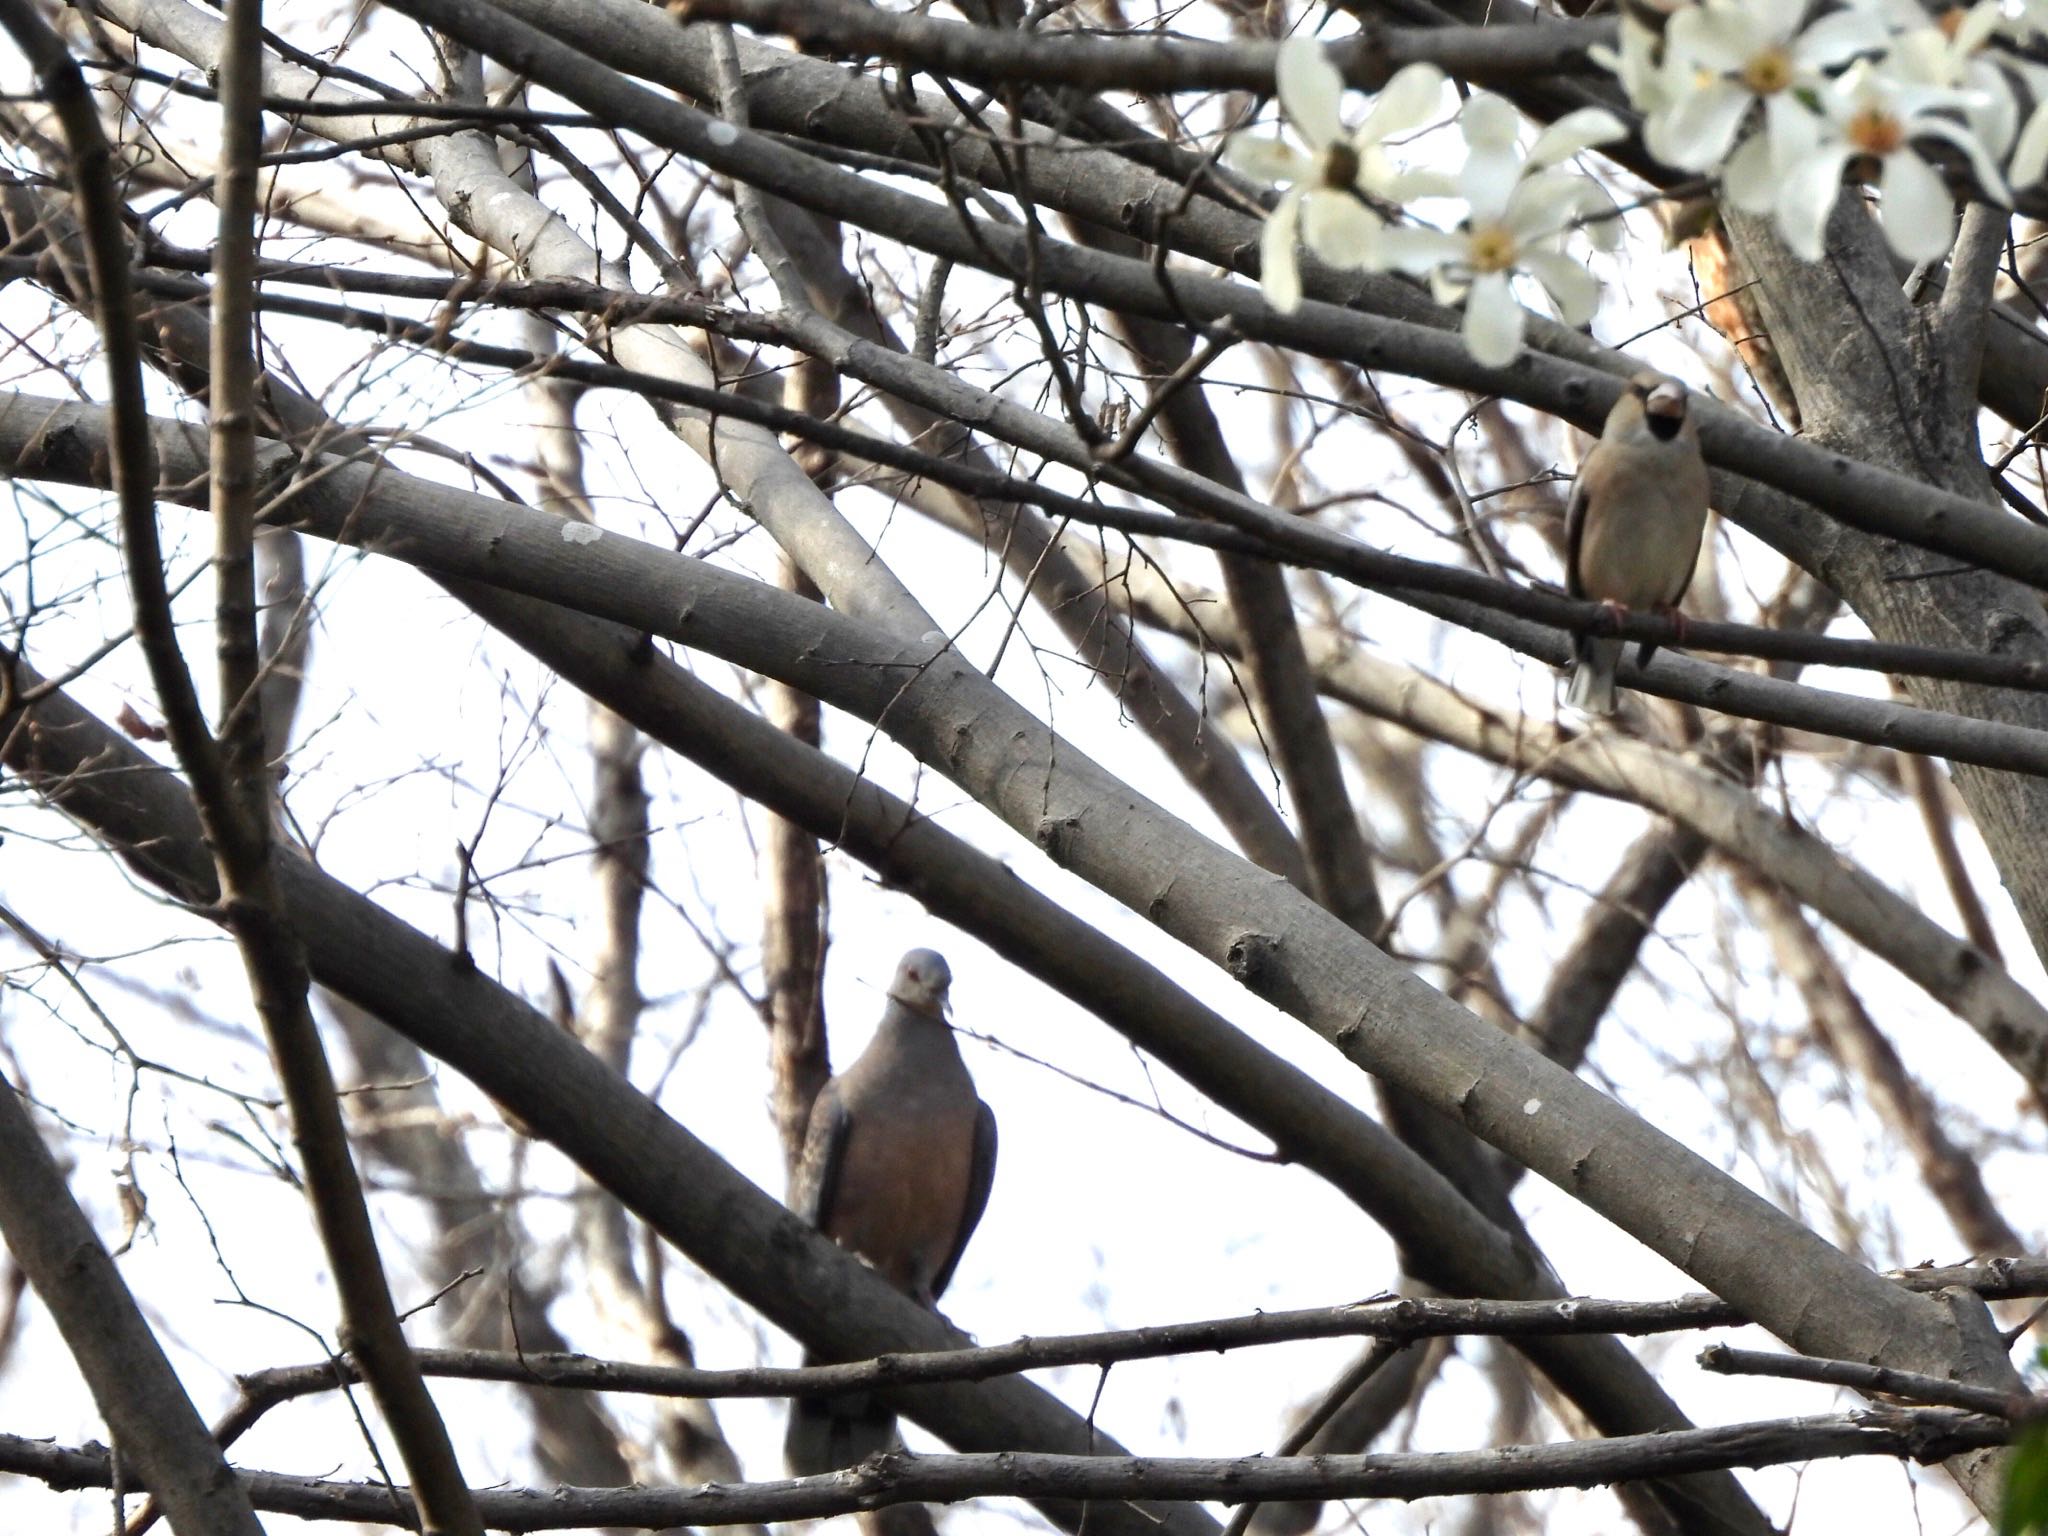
(1491, 249)
(1875, 131)
(1768, 72)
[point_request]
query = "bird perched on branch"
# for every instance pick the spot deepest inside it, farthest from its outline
(1632, 530)
(897, 1161)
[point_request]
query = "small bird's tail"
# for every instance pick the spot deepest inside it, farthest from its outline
(827, 1433)
(1592, 687)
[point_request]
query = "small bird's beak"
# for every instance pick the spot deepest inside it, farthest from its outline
(1666, 400)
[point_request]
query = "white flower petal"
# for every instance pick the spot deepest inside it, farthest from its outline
(1493, 162)
(1839, 38)
(2032, 20)
(1921, 54)
(1574, 290)
(1493, 321)
(1409, 186)
(1896, 14)
(1264, 158)
(1340, 229)
(1750, 179)
(1544, 204)
(1573, 132)
(1990, 180)
(1600, 216)
(1411, 98)
(1407, 248)
(1863, 87)
(1279, 275)
(1716, 38)
(1996, 119)
(1979, 22)
(1792, 128)
(2030, 154)
(1487, 121)
(1774, 20)
(1638, 64)
(1695, 134)
(1311, 90)
(1919, 213)
(1806, 196)
(1487, 180)
(1657, 135)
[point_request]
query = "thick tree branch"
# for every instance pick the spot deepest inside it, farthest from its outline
(1071, 61)
(1623, 916)
(1249, 526)
(157, 1432)
(1965, 310)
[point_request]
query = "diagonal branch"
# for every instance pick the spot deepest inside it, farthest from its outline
(156, 1429)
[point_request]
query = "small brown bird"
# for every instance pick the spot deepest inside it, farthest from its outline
(1632, 530)
(897, 1162)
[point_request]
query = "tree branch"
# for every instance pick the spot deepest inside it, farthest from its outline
(157, 1432)
(2017, 1407)
(1098, 63)
(1108, 1481)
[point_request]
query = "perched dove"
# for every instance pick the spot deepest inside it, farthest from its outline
(896, 1165)
(1632, 530)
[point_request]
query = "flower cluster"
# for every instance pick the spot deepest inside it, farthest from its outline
(1779, 107)
(1517, 212)
(1780, 104)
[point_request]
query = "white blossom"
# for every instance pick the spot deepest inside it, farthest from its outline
(1324, 203)
(1729, 63)
(1951, 53)
(1518, 214)
(1642, 65)
(1871, 112)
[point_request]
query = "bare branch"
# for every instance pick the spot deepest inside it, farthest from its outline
(155, 1427)
(1922, 1434)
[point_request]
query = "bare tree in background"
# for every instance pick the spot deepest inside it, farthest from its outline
(678, 498)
